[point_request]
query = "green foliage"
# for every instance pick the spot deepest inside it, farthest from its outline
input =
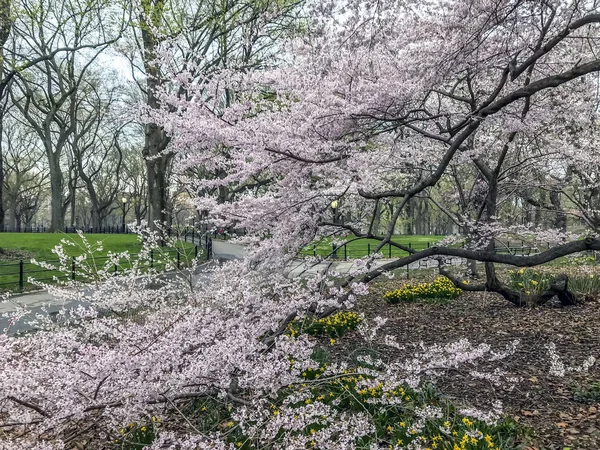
(587, 394)
(402, 417)
(530, 281)
(333, 326)
(208, 414)
(585, 284)
(441, 288)
(135, 436)
(537, 281)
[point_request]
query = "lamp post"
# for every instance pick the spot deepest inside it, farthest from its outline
(334, 205)
(123, 203)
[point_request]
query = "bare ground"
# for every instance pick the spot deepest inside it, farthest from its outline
(540, 401)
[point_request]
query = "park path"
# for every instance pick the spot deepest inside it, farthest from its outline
(43, 301)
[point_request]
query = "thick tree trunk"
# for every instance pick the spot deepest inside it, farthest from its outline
(138, 215)
(6, 21)
(57, 220)
(72, 206)
(1, 180)
(155, 139)
(560, 218)
(158, 179)
(96, 222)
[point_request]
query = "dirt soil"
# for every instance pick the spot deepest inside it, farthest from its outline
(541, 401)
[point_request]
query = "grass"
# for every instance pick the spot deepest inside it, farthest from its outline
(364, 247)
(17, 247)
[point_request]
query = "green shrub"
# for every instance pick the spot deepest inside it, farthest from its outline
(441, 288)
(333, 326)
(585, 284)
(530, 281)
(537, 281)
(589, 394)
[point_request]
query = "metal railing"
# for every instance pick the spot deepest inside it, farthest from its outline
(16, 275)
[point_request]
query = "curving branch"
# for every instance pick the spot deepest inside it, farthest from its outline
(559, 251)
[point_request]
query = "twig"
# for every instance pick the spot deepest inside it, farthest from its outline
(29, 405)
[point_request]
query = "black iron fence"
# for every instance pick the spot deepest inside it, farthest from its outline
(358, 249)
(175, 230)
(16, 275)
(41, 228)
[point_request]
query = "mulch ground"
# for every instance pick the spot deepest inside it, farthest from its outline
(540, 401)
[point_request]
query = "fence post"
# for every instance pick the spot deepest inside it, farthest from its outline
(315, 250)
(116, 269)
(390, 250)
(21, 275)
(195, 248)
(152, 259)
(408, 271)
(368, 249)
(73, 268)
(427, 244)
(345, 252)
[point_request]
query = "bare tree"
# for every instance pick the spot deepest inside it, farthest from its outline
(26, 176)
(94, 144)
(45, 93)
(134, 174)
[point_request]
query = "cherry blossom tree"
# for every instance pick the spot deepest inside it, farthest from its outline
(365, 111)
(375, 102)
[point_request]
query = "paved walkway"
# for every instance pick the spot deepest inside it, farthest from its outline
(222, 250)
(45, 302)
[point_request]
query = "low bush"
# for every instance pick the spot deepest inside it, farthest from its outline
(537, 281)
(530, 281)
(441, 288)
(333, 326)
(587, 394)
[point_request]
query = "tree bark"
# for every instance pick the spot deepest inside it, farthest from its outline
(57, 218)
(6, 22)
(155, 138)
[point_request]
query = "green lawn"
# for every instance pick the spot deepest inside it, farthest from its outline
(17, 247)
(363, 247)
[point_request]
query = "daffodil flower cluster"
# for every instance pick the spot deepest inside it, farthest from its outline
(333, 326)
(441, 288)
